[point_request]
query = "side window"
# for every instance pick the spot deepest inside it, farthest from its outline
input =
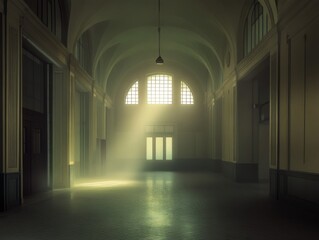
(256, 26)
(49, 12)
(83, 52)
(186, 94)
(132, 95)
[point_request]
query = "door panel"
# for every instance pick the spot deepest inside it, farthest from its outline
(149, 148)
(169, 148)
(159, 148)
(35, 165)
(27, 156)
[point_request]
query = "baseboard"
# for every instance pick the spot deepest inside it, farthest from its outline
(296, 186)
(10, 189)
(2, 193)
(240, 172)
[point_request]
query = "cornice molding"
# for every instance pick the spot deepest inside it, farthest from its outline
(268, 45)
(290, 10)
(107, 101)
(294, 19)
(39, 36)
(227, 84)
(87, 82)
(264, 48)
(81, 76)
(99, 92)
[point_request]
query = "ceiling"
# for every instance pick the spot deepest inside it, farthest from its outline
(195, 37)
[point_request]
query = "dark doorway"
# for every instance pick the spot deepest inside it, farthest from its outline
(253, 120)
(35, 127)
(35, 165)
(1, 99)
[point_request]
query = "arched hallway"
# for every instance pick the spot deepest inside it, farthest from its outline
(209, 107)
(159, 205)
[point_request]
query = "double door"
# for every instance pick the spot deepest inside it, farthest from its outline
(35, 160)
(159, 147)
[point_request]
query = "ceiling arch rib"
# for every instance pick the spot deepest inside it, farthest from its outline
(121, 12)
(182, 13)
(126, 43)
(175, 52)
(131, 63)
(169, 34)
(194, 33)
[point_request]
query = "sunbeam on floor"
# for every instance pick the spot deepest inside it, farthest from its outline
(157, 206)
(100, 183)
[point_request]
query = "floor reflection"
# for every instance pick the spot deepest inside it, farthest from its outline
(158, 206)
(159, 202)
(165, 216)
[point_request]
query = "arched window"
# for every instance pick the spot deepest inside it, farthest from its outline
(132, 95)
(58, 23)
(49, 12)
(83, 52)
(256, 26)
(186, 94)
(159, 89)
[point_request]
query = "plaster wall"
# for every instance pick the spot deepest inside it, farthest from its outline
(299, 115)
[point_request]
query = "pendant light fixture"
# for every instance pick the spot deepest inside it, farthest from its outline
(159, 60)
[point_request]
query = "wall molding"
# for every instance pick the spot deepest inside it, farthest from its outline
(258, 54)
(3, 193)
(296, 14)
(295, 186)
(87, 83)
(10, 187)
(240, 172)
(40, 37)
(229, 82)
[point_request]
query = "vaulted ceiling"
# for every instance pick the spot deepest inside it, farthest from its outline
(195, 37)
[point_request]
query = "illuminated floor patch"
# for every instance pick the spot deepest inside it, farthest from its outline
(104, 184)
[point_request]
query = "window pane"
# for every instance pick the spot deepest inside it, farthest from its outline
(159, 148)
(159, 89)
(169, 148)
(186, 94)
(149, 148)
(132, 95)
(256, 26)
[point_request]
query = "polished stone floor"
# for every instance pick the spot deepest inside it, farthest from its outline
(156, 206)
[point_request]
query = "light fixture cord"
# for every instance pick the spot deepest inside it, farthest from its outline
(159, 27)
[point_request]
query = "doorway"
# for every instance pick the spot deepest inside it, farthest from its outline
(159, 148)
(253, 120)
(35, 124)
(35, 165)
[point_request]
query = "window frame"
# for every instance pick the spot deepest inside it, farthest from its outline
(188, 91)
(158, 84)
(164, 137)
(175, 99)
(136, 100)
(256, 27)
